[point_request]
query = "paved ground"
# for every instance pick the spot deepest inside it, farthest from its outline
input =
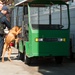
(40, 67)
(14, 67)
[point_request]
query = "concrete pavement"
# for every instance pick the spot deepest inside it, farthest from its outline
(14, 67)
(42, 67)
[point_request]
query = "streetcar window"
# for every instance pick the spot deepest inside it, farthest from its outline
(50, 17)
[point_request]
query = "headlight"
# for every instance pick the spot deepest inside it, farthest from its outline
(38, 39)
(62, 39)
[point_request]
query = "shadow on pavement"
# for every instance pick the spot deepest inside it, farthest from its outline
(49, 67)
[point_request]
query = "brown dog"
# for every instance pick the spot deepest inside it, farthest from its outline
(8, 39)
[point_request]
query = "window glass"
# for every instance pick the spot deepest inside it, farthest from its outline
(55, 17)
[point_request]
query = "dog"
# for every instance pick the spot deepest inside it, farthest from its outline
(11, 36)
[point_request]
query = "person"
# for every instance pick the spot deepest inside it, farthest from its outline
(1, 2)
(1, 5)
(5, 23)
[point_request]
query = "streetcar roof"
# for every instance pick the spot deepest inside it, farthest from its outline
(25, 2)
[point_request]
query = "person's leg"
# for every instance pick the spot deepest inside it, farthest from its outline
(4, 50)
(1, 44)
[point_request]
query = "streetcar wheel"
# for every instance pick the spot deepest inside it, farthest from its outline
(21, 56)
(27, 60)
(58, 59)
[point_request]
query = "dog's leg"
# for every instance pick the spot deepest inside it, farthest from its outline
(19, 31)
(9, 53)
(4, 50)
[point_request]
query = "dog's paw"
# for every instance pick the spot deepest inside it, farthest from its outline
(2, 61)
(10, 60)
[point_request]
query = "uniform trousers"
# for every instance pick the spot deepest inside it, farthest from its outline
(1, 44)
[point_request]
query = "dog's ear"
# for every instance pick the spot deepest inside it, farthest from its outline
(14, 28)
(17, 28)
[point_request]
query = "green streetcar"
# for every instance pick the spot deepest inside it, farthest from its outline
(48, 30)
